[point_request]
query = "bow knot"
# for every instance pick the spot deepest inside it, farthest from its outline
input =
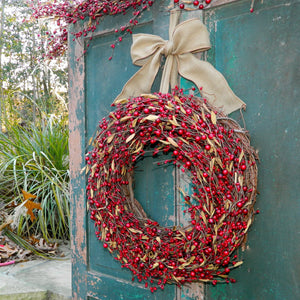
(187, 38)
(168, 48)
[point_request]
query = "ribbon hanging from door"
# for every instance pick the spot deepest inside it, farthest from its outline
(186, 39)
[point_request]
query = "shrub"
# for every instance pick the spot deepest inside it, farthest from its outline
(35, 158)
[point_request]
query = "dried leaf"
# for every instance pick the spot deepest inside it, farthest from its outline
(110, 138)
(213, 117)
(135, 230)
(30, 205)
(241, 180)
(238, 264)
(241, 155)
(121, 101)
(151, 118)
(90, 141)
(130, 138)
(174, 121)
(150, 96)
(125, 118)
(164, 142)
(182, 110)
(155, 265)
(185, 141)
(223, 276)
(195, 117)
(248, 224)
(175, 278)
(83, 169)
(139, 148)
(27, 195)
(113, 116)
(211, 165)
(203, 217)
(134, 122)
(158, 239)
(172, 142)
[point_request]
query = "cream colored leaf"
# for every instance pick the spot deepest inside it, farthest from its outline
(241, 155)
(182, 110)
(213, 117)
(241, 180)
(151, 118)
(110, 138)
(121, 101)
(155, 265)
(135, 230)
(203, 217)
(238, 264)
(130, 138)
(139, 148)
(175, 121)
(172, 142)
(125, 118)
(150, 96)
(134, 122)
(211, 165)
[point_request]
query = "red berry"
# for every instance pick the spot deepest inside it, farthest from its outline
(243, 167)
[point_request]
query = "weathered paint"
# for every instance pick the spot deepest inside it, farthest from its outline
(258, 54)
(95, 274)
(77, 186)
(94, 83)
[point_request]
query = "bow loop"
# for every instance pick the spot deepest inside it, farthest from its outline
(191, 36)
(144, 46)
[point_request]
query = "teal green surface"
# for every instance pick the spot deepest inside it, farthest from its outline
(259, 56)
(154, 185)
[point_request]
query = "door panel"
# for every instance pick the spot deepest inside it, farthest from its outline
(104, 81)
(259, 55)
(94, 83)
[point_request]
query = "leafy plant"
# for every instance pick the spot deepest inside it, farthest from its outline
(34, 158)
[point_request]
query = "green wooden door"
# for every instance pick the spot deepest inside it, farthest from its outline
(94, 83)
(259, 55)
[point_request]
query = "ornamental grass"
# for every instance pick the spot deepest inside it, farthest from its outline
(35, 158)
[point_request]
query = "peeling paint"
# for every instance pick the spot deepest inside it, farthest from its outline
(193, 291)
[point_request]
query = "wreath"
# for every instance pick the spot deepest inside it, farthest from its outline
(204, 143)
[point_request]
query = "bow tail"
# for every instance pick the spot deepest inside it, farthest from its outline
(141, 82)
(169, 75)
(215, 86)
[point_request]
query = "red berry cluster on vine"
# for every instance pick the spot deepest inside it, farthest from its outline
(196, 4)
(70, 12)
(205, 144)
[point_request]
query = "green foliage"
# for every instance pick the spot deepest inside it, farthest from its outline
(34, 157)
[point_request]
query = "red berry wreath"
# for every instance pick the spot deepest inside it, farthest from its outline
(205, 143)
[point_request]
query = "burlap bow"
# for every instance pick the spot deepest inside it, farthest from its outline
(187, 38)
